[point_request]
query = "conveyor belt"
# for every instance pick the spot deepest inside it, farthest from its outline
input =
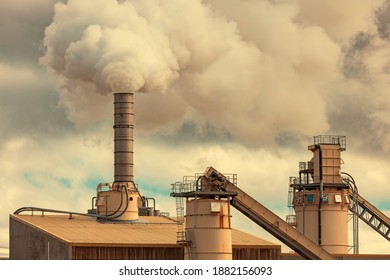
(266, 218)
(371, 215)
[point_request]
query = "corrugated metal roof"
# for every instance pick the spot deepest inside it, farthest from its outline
(149, 231)
(243, 239)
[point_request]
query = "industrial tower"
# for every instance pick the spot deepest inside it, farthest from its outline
(320, 198)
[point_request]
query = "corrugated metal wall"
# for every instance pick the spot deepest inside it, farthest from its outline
(127, 253)
(163, 253)
(256, 253)
(28, 243)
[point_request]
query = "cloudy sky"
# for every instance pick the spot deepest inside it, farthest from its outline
(241, 85)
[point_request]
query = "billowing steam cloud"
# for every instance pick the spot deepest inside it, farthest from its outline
(254, 70)
(112, 47)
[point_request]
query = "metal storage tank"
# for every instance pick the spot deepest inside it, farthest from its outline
(208, 229)
(334, 218)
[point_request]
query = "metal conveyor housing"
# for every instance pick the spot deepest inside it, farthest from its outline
(371, 215)
(266, 218)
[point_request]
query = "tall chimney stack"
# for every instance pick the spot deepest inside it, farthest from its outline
(122, 200)
(123, 137)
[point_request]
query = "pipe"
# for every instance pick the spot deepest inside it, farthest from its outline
(145, 203)
(154, 202)
(70, 213)
(113, 215)
(304, 210)
(320, 200)
(352, 185)
(93, 200)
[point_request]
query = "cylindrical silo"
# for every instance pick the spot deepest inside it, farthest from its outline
(208, 229)
(328, 226)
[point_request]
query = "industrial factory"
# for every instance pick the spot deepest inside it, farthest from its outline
(124, 224)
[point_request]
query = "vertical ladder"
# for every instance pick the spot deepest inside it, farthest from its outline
(177, 188)
(181, 233)
(180, 220)
(291, 218)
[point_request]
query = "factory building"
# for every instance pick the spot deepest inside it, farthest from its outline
(83, 238)
(122, 224)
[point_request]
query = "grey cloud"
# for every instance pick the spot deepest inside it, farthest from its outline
(353, 63)
(383, 20)
(22, 27)
(28, 96)
(359, 105)
(30, 107)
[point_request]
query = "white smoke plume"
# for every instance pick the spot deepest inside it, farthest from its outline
(254, 70)
(112, 47)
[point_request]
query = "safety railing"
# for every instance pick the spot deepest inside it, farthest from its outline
(331, 139)
(306, 180)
